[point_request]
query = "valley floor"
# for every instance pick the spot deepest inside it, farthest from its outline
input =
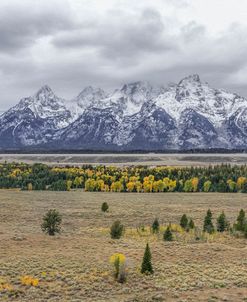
(125, 159)
(74, 266)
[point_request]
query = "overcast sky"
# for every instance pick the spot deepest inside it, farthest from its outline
(69, 44)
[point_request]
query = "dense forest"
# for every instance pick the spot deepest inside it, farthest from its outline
(221, 178)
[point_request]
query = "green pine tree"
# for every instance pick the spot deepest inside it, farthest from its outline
(241, 221)
(208, 224)
(184, 221)
(156, 226)
(222, 223)
(168, 234)
(245, 231)
(146, 262)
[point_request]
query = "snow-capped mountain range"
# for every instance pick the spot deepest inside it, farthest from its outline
(187, 115)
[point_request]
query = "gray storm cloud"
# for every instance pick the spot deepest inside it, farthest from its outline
(70, 44)
(21, 25)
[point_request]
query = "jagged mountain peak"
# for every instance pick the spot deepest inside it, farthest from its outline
(88, 96)
(192, 78)
(44, 91)
(192, 88)
(91, 90)
(43, 105)
(132, 96)
(42, 99)
(131, 88)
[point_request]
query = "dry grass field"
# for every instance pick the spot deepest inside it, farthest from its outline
(125, 159)
(74, 266)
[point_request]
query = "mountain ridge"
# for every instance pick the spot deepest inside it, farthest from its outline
(187, 115)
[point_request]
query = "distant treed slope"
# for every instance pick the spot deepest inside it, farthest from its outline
(189, 115)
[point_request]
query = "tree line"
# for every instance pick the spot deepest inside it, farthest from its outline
(219, 178)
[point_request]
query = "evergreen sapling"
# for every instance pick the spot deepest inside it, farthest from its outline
(147, 267)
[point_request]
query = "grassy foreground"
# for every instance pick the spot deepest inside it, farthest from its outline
(74, 266)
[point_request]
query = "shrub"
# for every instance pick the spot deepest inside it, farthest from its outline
(119, 260)
(104, 207)
(222, 223)
(191, 224)
(156, 226)
(51, 222)
(208, 224)
(29, 281)
(199, 235)
(168, 234)
(241, 221)
(245, 231)
(117, 230)
(142, 228)
(184, 221)
(147, 267)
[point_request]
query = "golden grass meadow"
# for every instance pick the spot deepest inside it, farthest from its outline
(75, 266)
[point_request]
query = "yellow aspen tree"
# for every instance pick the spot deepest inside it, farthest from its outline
(130, 186)
(68, 184)
(138, 186)
(194, 182)
(240, 183)
(207, 185)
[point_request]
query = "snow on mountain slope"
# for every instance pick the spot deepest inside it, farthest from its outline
(151, 126)
(130, 98)
(89, 96)
(188, 115)
(190, 93)
(94, 128)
